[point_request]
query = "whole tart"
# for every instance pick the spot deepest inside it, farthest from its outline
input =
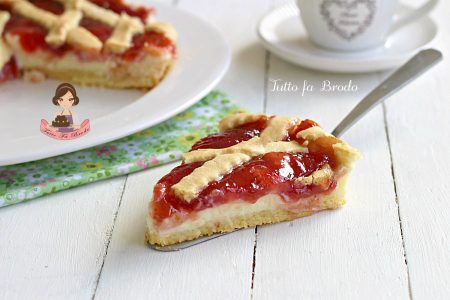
(91, 42)
(258, 169)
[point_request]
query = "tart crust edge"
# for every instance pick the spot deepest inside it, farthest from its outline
(274, 214)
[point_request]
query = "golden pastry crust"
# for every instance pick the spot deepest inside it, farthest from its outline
(143, 74)
(251, 220)
(252, 215)
(123, 80)
(320, 177)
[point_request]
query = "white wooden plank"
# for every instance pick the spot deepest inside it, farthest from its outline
(219, 269)
(418, 119)
(53, 247)
(237, 20)
(351, 253)
(222, 268)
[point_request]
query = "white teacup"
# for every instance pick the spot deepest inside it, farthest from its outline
(351, 25)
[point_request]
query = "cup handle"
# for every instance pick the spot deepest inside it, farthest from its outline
(413, 15)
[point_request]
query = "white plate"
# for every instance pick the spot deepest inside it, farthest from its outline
(282, 32)
(203, 58)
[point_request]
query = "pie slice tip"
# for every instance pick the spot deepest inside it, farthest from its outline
(259, 169)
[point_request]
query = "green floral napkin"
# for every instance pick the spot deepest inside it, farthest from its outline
(151, 147)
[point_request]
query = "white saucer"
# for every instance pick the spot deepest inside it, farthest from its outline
(282, 33)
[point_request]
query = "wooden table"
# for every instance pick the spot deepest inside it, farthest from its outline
(390, 241)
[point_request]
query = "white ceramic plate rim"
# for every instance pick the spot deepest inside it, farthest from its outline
(344, 64)
(134, 117)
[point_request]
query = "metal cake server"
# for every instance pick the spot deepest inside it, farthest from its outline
(412, 69)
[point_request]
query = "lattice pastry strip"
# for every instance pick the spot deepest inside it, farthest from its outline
(93, 11)
(277, 129)
(65, 28)
(123, 33)
(125, 27)
(188, 187)
(252, 147)
(320, 177)
(222, 161)
(69, 20)
(58, 26)
(5, 52)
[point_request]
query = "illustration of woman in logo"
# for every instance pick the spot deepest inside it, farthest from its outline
(63, 126)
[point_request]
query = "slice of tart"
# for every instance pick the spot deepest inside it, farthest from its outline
(259, 169)
(90, 42)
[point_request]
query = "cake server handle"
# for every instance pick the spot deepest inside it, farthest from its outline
(412, 69)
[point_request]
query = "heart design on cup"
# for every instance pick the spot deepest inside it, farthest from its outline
(348, 18)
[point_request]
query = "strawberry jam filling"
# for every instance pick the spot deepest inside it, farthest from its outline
(120, 6)
(32, 35)
(232, 136)
(271, 173)
(9, 70)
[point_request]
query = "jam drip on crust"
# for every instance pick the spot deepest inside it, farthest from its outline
(232, 136)
(32, 35)
(9, 71)
(274, 172)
